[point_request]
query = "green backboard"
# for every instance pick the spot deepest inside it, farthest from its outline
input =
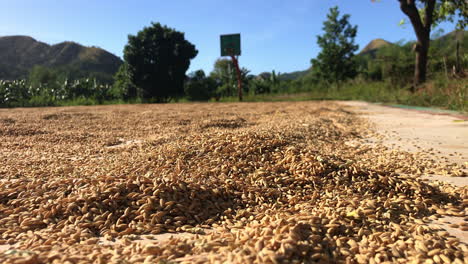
(230, 45)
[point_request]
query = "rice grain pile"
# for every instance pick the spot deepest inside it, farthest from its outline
(253, 183)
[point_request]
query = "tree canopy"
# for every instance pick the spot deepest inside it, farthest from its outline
(199, 87)
(157, 59)
(335, 62)
(224, 74)
(424, 15)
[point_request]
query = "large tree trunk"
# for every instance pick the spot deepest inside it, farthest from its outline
(420, 66)
(423, 33)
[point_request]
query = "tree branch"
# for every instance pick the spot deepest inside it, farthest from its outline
(429, 14)
(409, 8)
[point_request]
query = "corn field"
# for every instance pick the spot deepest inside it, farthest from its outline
(21, 93)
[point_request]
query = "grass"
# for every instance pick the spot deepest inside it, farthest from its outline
(442, 93)
(452, 95)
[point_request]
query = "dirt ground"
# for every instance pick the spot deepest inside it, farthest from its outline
(285, 182)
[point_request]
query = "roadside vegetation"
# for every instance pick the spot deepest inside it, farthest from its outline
(157, 58)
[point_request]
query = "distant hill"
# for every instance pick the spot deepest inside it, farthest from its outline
(445, 44)
(374, 46)
(19, 54)
(292, 75)
(370, 49)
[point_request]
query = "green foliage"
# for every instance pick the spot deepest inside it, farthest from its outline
(449, 94)
(40, 75)
(161, 55)
(444, 10)
(224, 74)
(395, 63)
(123, 86)
(260, 87)
(266, 82)
(335, 63)
(12, 91)
(157, 59)
(450, 10)
(53, 91)
(442, 52)
(274, 80)
(199, 87)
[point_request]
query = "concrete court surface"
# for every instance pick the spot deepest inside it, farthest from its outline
(444, 136)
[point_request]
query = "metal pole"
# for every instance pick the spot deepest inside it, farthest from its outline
(239, 80)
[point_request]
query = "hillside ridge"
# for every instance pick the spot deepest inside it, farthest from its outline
(19, 54)
(374, 45)
(370, 50)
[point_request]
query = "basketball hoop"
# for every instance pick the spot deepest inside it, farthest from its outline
(230, 46)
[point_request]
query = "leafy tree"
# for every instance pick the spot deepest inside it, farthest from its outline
(443, 55)
(199, 87)
(275, 81)
(335, 63)
(425, 15)
(265, 82)
(264, 76)
(40, 75)
(259, 86)
(224, 73)
(395, 63)
(157, 58)
(123, 86)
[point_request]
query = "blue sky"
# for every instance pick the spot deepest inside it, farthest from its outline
(276, 34)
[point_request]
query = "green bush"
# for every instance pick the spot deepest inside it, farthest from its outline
(199, 87)
(33, 93)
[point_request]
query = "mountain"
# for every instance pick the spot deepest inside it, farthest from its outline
(370, 49)
(374, 46)
(445, 45)
(19, 54)
(292, 75)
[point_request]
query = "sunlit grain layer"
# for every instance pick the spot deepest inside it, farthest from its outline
(257, 183)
